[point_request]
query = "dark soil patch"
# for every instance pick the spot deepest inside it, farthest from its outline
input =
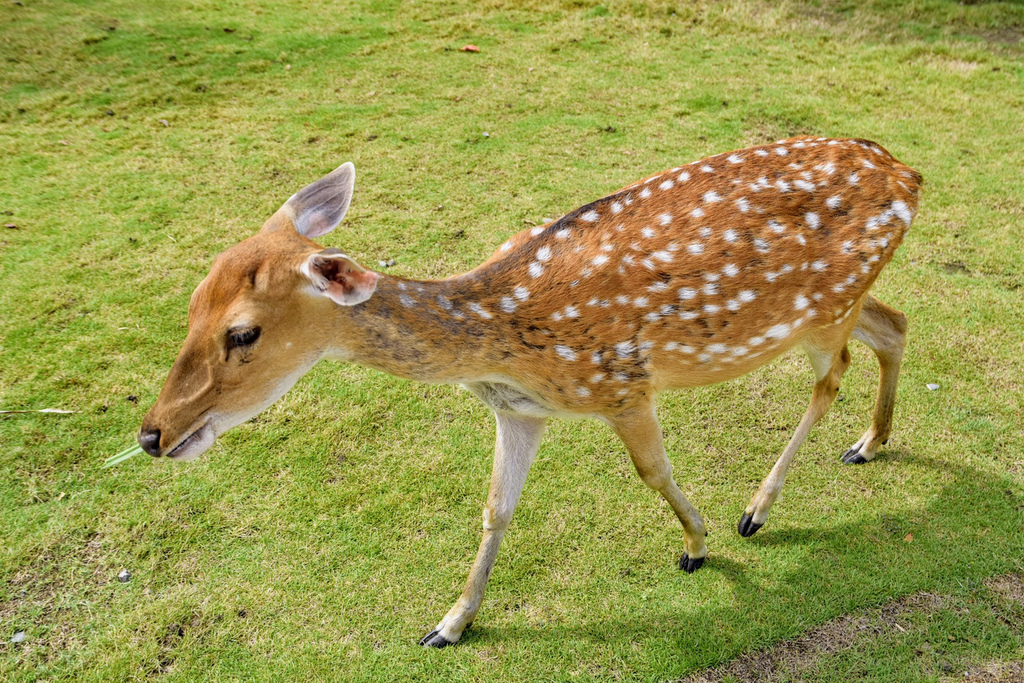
(789, 658)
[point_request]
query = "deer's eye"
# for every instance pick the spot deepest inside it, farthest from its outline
(240, 338)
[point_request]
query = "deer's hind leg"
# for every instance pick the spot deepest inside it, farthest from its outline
(829, 357)
(884, 330)
(640, 431)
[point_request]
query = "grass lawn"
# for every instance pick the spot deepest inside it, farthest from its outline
(322, 539)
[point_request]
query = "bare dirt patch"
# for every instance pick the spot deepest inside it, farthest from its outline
(789, 659)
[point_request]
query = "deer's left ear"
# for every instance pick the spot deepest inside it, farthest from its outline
(317, 209)
(339, 278)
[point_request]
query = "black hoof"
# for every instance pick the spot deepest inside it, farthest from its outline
(853, 457)
(435, 639)
(746, 526)
(690, 565)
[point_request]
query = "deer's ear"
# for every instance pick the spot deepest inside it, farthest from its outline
(317, 209)
(339, 278)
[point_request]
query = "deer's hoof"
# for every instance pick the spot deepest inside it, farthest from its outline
(746, 526)
(435, 639)
(853, 457)
(690, 564)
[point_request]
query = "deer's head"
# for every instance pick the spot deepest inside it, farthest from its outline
(259, 321)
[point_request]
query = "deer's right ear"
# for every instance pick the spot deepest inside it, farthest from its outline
(317, 209)
(339, 278)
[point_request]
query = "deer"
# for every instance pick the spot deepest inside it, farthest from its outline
(693, 276)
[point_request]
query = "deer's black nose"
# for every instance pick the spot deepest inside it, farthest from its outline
(149, 439)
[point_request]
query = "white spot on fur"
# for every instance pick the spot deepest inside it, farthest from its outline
(804, 185)
(833, 201)
(735, 159)
(444, 302)
(697, 212)
(536, 269)
(506, 246)
(480, 311)
(711, 309)
(712, 197)
(711, 289)
(507, 304)
(779, 331)
(729, 235)
(746, 296)
(743, 205)
(687, 293)
(616, 207)
(543, 254)
(538, 230)
(582, 392)
(903, 212)
(667, 185)
(565, 352)
(407, 300)
(625, 349)
(563, 233)
(590, 216)
(695, 248)
(813, 220)
(683, 177)
(663, 256)
(801, 302)
(599, 260)
(761, 152)
(707, 168)
(645, 193)
(665, 218)
(521, 293)
(819, 265)
(776, 226)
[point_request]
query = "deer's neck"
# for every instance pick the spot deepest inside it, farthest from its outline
(432, 330)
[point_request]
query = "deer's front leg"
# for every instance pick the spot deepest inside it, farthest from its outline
(516, 445)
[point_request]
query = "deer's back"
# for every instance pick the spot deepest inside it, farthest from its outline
(701, 272)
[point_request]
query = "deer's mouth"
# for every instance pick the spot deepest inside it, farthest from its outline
(193, 445)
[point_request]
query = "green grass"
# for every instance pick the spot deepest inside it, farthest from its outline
(321, 540)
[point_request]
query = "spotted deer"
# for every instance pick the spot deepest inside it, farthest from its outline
(693, 276)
